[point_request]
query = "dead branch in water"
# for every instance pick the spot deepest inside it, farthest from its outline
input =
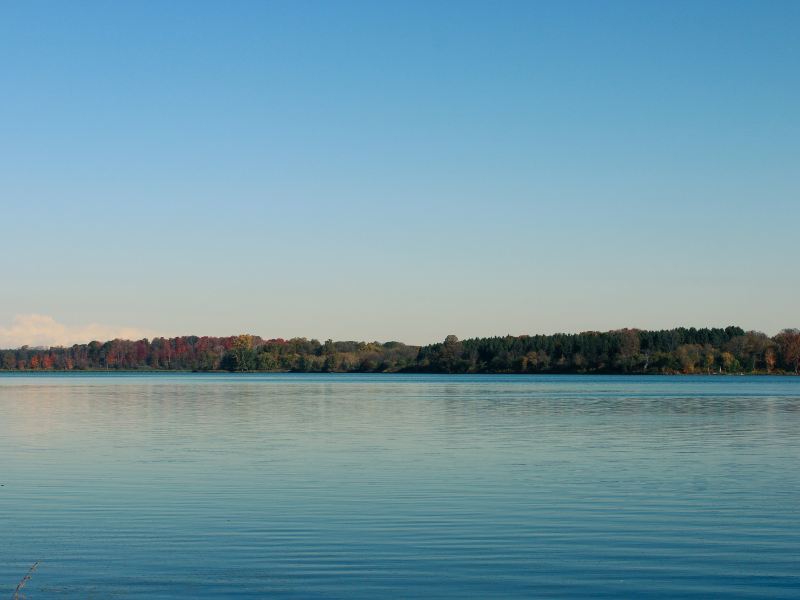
(24, 580)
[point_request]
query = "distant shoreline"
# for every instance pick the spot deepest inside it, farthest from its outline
(78, 372)
(685, 351)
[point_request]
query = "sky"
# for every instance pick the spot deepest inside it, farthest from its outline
(396, 170)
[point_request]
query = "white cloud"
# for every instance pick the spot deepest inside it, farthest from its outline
(43, 330)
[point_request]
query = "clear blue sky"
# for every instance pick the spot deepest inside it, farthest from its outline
(399, 170)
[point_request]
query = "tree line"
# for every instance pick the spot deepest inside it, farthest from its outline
(680, 350)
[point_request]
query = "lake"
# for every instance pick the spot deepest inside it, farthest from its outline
(399, 486)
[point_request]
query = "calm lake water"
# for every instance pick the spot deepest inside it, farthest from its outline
(383, 486)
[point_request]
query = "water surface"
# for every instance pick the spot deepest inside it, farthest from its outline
(374, 486)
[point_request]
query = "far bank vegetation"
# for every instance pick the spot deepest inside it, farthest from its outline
(726, 350)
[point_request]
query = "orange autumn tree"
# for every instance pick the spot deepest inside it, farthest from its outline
(788, 341)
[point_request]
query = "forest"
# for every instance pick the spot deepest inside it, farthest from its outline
(681, 350)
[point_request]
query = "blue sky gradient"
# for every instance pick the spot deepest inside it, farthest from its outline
(376, 170)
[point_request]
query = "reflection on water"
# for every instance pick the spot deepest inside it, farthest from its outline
(345, 486)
